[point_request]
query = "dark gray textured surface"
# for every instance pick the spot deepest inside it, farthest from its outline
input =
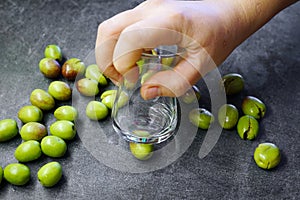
(269, 61)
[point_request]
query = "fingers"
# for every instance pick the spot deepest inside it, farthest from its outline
(103, 56)
(145, 34)
(108, 33)
(122, 39)
(176, 82)
(168, 83)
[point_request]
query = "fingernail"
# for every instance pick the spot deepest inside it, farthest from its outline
(151, 93)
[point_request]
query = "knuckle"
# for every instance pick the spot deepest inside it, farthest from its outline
(150, 4)
(177, 16)
(156, 2)
(104, 28)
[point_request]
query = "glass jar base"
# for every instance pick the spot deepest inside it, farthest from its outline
(146, 139)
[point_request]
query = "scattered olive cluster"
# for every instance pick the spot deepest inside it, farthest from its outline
(266, 155)
(36, 140)
(34, 134)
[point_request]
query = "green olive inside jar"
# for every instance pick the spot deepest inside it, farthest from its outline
(158, 116)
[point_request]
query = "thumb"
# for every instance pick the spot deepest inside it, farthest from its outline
(176, 81)
(170, 83)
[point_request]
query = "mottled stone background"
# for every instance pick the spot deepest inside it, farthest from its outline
(269, 61)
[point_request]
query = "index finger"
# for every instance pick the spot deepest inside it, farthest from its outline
(107, 36)
(145, 34)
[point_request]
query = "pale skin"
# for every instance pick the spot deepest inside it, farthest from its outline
(209, 30)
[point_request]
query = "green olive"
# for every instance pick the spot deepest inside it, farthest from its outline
(147, 75)
(50, 68)
(93, 72)
(228, 116)
(60, 90)
(66, 113)
(50, 174)
(42, 99)
(1, 174)
(30, 113)
(87, 87)
(247, 127)
(129, 84)
(141, 151)
(192, 95)
(64, 129)
(53, 146)
(167, 61)
(108, 101)
(140, 62)
(96, 110)
(53, 51)
(28, 151)
(122, 100)
(254, 107)
(142, 134)
(108, 98)
(108, 93)
(267, 155)
(73, 67)
(33, 131)
(17, 174)
(201, 118)
(233, 83)
(8, 129)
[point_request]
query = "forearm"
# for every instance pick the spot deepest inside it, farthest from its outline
(235, 21)
(209, 30)
(250, 15)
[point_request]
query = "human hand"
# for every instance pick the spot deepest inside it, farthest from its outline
(207, 30)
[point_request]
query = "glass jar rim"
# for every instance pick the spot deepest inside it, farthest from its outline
(180, 52)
